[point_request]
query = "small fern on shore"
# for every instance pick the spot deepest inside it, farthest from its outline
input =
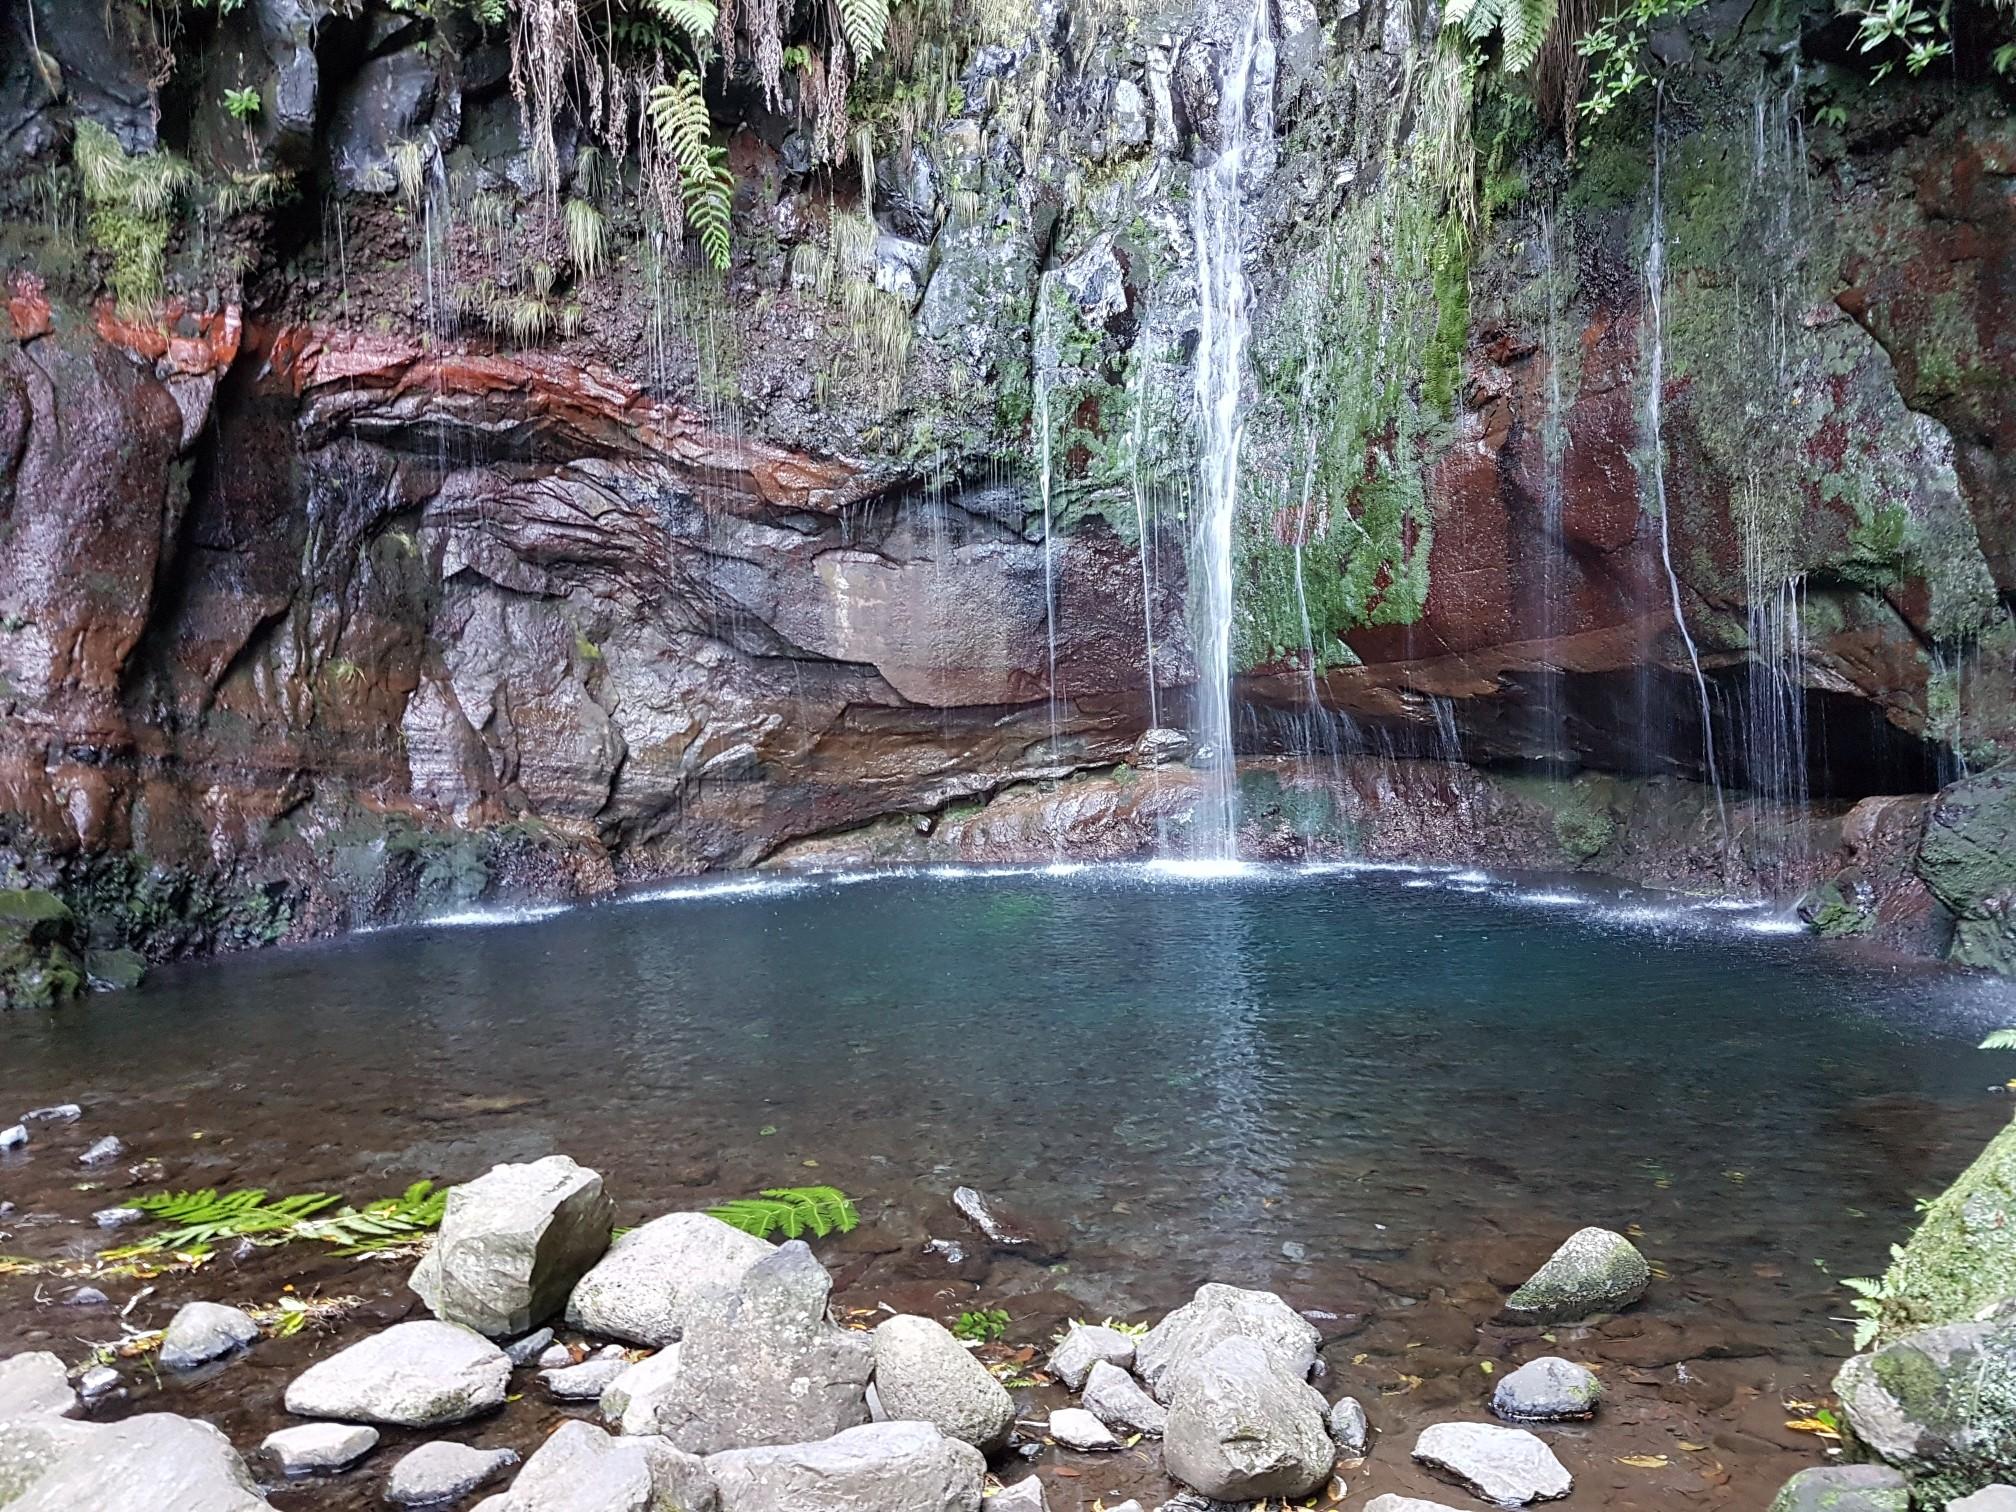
(198, 1220)
(791, 1211)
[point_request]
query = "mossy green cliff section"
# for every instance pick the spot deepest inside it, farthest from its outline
(1962, 1258)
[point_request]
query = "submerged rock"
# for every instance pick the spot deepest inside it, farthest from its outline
(640, 1291)
(314, 1448)
(876, 1468)
(14, 1137)
(513, 1244)
(1508, 1466)
(443, 1472)
(923, 1374)
(1117, 1400)
(1392, 1503)
(1241, 1428)
(1846, 1488)
(155, 1460)
(34, 1384)
(422, 1374)
(204, 1331)
(1085, 1345)
(1349, 1428)
(522, 1352)
(107, 1150)
(1939, 1405)
(1220, 1312)
(1594, 1271)
(1548, 1389)
(1009, 1231)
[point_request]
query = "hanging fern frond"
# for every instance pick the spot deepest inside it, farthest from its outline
(1522, 27)
(695, 19)
(791, 1211)
(678, 113)
(864, 23)
(2001, 1039)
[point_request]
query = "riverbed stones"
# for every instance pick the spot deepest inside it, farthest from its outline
(513, 1244)
(762, 1364)
(1547, 1390)
(1026, 1495)
(33, 1384)
(1848, 1488)
(444, 1472)
(1219, 1312)
(1008, 1230)
(204, 1331)
(1075, 1428)
(1594, 1271)
(105, 1152)
(1117, 1400)
(1508, 1466)
(422, 1374)
(1394, 1503)
(874, 1468)
(1987, 1499)
(157, 1460)
(923, 1374)
(1939, 1405)
(641, 1289)
(1085, 1345)
(584, 1382)
(522, 1352)
(1350, 1431)
(318, 1448)
(631, 1400)
(1241, 1428)
(582, 1469)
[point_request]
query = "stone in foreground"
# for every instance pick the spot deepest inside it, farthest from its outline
(1241, 1429)
(444, 1472)
(584, 1382)
(582, 1469)
(204, 1331)
(1547, 1390)
(422, 1374)
(34, 1384)
(1594, 1271)
(1085, 1345)
(1024, 1496)
(1222, 1312)
(1075, 1428)
(924, 1375)
(1508, 1466)
(631, 1400)
(1392, 1503)
(1987, 1499)
(640, 1291)
(1113, 1397)
(318, 1448)
(1939, 1405)
(1350, 1431)
(513, 1244)
(157, 1461)
(1850, 1488)
(876, 1468)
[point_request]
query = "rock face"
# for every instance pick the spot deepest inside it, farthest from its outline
(868, 1469)
(413, 1375)
(1216, 1313)
(156, 1460)
(1240, 1428)
(1966, 859)
(1547, 1390)
(1508, 1466)
(762, 1364)
(513, 1243)
(1594, 1271)
(204, 1331)
(34, 1383)
(1939, 1405)
(923, 1374)
(1846, 1488)
(640, 1291)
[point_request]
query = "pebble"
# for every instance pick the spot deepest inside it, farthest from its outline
(13, 1138)
(107, 1150)
(56, 1113)
(583, 1382)
(442, 1472)
(116, 1217)
(96, 1382)
(316, 1447)
(524, 1351)
(555, 1357)
(1075, 1428)
(87, 1296)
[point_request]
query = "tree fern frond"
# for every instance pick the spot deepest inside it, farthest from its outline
(791, 1211)
(678, 113)
(865, 23)
(696, 19)
(2001, 1039)
(1524, 27)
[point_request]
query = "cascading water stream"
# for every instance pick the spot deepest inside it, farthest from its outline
(1043, 374)
(1655, 291)
(1218, 222)
(1553, 450)
(1144, 544)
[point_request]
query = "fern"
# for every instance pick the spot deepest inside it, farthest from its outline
(679, 116)
(1522, 27)
(865, 22)
(695, 19)
(384, 1224)
(2001, 1039)
(793, 1211)
(197, 1220)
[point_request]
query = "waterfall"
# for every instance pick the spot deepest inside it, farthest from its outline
(1553, 449)
(1042, 376)
(1144, 547)
(1218, 222)
(1774, 726)
(1655, 291)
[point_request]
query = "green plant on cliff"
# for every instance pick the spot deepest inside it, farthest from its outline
(130, 199)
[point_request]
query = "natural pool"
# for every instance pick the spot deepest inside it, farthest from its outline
(1385, 1094)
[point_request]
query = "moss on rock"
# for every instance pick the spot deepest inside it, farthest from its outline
(39, 967)
(1963, 1256)
(1968, 859)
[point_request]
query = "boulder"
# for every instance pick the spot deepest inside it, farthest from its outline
(631, 1400)
(1011, 1232)
(582, 1469)
(1959, 1260)
(318, 1448)
(1849, 1488)
(513, 1244)
(1026, 1495)
(1085, 1345)
(34, 1383)
(1987, 1499)
(156, 1461)
(1219, 1312)
(522, 1352)
(422, 1374)
(1939, 1405)
(1392, 1503)
(1075, 1428)
(1349, 1429)
(39, 967)
(1595, 1271)
(1968, 859)
(762, 1364)
(1547, 1390)
(584, 1382)
(1508, 1466)
(204, 1331)
(639, 1291)
(876, 1468)
(1117, 1400)
(923, 1374)
(442, 1472)
(1242, 1428)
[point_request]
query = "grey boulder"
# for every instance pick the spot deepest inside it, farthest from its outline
(1025, 1495)
(640, 1290)
(1216, 1313)
(1939, 1405)
(924, 1375)
(1349, 1429)
(631, 1400)
(763, 1364)
(1508, 1466)
(1242, 1429)
(1117, 1400)
(879, 1467)
(513, 1243)
(204, 1331)
(422, 1374)
(157, 1461)
(1075, 1428)
(1085, 1345)
(318, 1448)
(1987, 1499)
(1594, 1271)
(584, 1382)
(1547, 1390)
(442, 1472)
(582, 1469)
(1858, 1488)
(34, 1384)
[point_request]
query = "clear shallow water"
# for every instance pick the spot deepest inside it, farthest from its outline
(1385, 1099)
